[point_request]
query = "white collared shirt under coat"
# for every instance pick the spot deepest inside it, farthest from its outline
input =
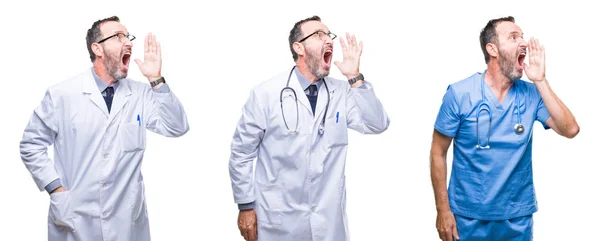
(299, 183)
(97, 155)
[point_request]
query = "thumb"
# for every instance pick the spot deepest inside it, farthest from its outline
(455, 233)
(337, 63)
(138, 62)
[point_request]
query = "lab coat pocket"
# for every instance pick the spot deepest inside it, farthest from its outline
(60, 209)
(467, 189)
(336, 131)
(132, 136)
(269, 202)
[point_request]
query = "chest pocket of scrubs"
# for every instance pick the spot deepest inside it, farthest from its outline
(336, 132)
(132, 136)
(269, 201)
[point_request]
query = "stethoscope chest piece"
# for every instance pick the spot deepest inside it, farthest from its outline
(519, 129)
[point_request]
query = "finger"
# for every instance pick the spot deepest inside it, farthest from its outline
(155, 44)
(245, 234)
(158, 50)
(349, 39)
(543, 53)
(343, 43)
(354, 41)
(455, 233)
(152, 44)
(448, 236)
(253, 235)
(360, 48)
(537, 47)
(146, 44)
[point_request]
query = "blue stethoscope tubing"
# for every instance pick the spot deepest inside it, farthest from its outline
(287, 86)
(518, 128)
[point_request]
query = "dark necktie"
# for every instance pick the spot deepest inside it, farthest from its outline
(108, 94)
(312, 96)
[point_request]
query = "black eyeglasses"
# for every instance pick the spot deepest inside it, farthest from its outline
(121, 37)
(321, 34)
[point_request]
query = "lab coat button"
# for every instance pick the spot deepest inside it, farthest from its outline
(106, 155)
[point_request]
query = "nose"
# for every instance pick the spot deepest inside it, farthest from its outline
(128, 43)
(328, 40)
(523, 43)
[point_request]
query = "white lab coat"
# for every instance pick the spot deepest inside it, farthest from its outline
(299, 182)
(97, 156)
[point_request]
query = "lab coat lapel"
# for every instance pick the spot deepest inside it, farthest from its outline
(322, 97)
(90, 89)
(295, 84)
(120, 99)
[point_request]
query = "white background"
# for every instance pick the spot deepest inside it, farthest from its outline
(214, 53)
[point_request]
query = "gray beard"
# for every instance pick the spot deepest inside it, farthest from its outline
(313, 62)
(507, 67)
(112, 64)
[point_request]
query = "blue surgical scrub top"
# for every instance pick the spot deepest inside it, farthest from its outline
(494, 183)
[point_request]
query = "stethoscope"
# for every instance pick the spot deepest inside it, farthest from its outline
(518, 128)
(321, 126)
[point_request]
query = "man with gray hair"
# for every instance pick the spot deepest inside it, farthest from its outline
(296, 126)
(97, 122)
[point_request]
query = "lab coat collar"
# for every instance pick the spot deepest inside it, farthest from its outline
(304, 82)
(90, 87)
(322, 96)
(101, 84)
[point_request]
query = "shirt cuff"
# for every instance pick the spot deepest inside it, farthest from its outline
(246, 206)
(162, 89)
(53, 185)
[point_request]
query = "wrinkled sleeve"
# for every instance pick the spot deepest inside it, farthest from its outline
(167, 116)
(365, 112)
(244, 147)
(39, 134)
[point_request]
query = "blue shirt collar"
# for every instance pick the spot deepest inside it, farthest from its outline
(304, 83)
(101, 84)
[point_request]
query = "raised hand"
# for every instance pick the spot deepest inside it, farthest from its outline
(536, 69)
(152, 58)
(352, 52)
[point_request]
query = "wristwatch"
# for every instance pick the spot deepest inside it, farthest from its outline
(158, 81)
(357, 78)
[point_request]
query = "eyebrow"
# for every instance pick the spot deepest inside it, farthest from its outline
(515, 32)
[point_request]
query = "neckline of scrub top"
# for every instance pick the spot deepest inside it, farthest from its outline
(493, 100)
